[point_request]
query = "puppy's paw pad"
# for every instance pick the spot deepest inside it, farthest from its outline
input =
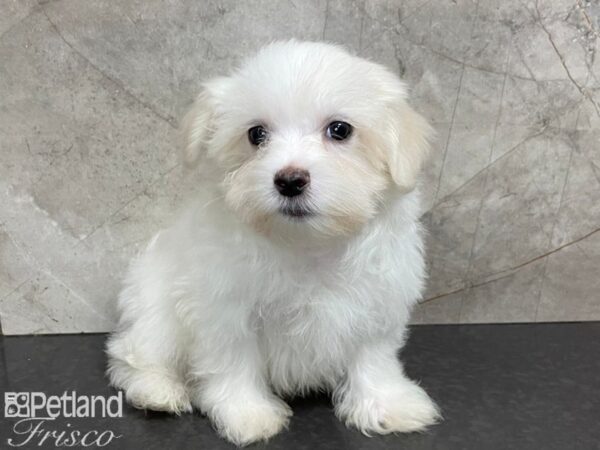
(159, 393)
(244, 425)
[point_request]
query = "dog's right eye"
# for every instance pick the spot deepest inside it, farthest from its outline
(257, 135)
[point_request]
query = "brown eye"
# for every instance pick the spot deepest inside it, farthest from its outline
(257, 135)
(339, 131)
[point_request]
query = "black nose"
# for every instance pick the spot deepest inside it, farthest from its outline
(291, 182)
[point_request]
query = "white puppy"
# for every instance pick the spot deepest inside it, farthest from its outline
(297, 267)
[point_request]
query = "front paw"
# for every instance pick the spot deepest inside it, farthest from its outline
(158, 393)
(403, 408)
(250, 422)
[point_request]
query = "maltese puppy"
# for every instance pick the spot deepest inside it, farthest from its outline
(298, 261)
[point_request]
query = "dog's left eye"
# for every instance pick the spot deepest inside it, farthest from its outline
(257, 135)
(339, 130)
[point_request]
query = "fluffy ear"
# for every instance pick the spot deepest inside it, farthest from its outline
(196, 128)
(198, 125)
(409, 146)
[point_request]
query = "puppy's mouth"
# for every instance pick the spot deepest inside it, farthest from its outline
(295, 212)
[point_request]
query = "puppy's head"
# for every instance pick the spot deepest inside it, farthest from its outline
(306, 135)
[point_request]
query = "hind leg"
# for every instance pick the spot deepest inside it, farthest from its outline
(145, 362)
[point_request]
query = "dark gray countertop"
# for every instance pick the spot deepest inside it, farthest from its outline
(500, 387)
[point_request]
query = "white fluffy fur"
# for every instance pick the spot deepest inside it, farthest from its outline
(237, 303)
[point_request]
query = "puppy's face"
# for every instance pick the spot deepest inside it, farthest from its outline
(306, 135)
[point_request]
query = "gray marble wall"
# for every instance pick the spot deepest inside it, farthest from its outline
(90, 94)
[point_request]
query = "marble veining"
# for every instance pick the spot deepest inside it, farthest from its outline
(91, 92)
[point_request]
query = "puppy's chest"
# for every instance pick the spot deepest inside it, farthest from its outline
(313, 337)
(325, 310)
(309, 336)
(324, 305)
(321, 297)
